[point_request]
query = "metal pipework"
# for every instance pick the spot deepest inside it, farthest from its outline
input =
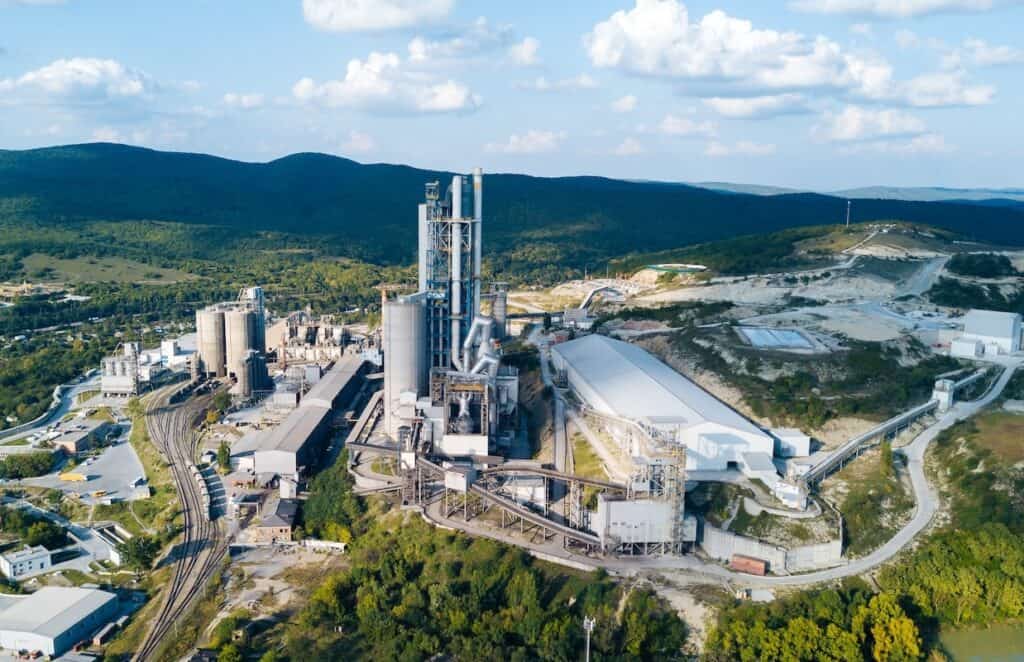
(456, 292)
(480, 322)
(478, 238)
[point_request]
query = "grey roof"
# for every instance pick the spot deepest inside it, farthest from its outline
(25, 553)
(631, 383)
(294, 431)
(991, 323)
(283, 513)
(52, 610)
(759, 461)
(333, 382)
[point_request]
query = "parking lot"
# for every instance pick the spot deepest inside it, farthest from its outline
(111, 473)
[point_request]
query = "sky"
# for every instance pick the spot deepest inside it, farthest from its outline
(811, 94)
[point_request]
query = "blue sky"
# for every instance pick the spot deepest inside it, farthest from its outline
(805, 93)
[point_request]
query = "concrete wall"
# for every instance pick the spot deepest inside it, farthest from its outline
(722, 545)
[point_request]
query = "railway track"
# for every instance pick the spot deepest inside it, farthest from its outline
(198, 555)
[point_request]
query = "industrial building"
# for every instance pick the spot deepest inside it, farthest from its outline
(27, 560)
(53, 619)
(649, 408)
(987, 333)
(446, 391)
(277, 523)
(294, 445)
(301, 338)
(231, 342)
(80, 434)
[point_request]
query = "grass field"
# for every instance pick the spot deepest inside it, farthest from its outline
(1003, 434)
(97, 269)
(16, 442)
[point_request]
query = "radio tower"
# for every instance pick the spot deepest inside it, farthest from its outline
(847, 213)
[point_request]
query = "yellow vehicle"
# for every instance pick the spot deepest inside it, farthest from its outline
(98, 493)
(73, 477)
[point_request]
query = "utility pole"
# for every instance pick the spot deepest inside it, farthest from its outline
(848, 214)
(588, 626)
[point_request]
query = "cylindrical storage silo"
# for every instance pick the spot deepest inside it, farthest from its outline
(244, 375)
(210, 341)
(239, 337)
(405, 356)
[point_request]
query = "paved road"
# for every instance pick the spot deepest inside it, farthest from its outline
(927, 503)
(67, 400)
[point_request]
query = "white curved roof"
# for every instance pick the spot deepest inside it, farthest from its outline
(631, 383)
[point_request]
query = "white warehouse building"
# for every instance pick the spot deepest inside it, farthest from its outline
(625, 382)
(54, 618)
(988, 333)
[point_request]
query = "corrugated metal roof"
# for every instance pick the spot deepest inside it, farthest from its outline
(991, 323)
(323, 393)
(636, 385)
(53, 610)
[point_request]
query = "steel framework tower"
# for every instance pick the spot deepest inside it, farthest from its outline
(449, 265)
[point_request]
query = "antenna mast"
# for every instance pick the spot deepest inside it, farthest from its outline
(848, 213)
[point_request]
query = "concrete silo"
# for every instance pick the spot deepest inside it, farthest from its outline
(240, 337)
(210, 341)
(405, 363)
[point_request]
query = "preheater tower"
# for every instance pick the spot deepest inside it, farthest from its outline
(450, 240)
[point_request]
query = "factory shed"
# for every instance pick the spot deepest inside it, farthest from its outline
(625, 382)
(294, 444)
(998, 332)
(53, 619)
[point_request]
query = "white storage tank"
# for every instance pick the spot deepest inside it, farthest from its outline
(405, 356)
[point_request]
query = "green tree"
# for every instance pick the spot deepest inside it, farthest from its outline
(230, 653)
(139, 552)
(134, 408)
(224, 457)
(222, 401)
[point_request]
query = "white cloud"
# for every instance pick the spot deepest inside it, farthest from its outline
(626, 104)
(980, 53)
(944, 89)
(244, 101)
(893, 8)
(731, 58)
(524, 53)
(862, 29)
(928, 143)
(542, 84)
(656, 38)
(741, 148)
(531, 142)
(480, 37)
(381, 82)
(628, 147)
(757, 107)
(368, 15)
(84, 80)
(675, 125)
(358, 142)
(855, 123)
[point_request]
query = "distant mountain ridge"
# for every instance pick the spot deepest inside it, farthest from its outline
(905, 193)
(561, 220)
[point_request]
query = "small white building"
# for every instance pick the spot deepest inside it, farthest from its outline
(988, 333)
(30, 560)
(54, 618)
(791, 442)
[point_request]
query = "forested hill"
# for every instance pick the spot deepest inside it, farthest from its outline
(572, 219)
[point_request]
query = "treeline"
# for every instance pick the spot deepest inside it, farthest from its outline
(833, 625)
(31, 529)
(958, 294)
(29, 373)
(26, 465)
(981, 265)
(416, 592)
(332, 511)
